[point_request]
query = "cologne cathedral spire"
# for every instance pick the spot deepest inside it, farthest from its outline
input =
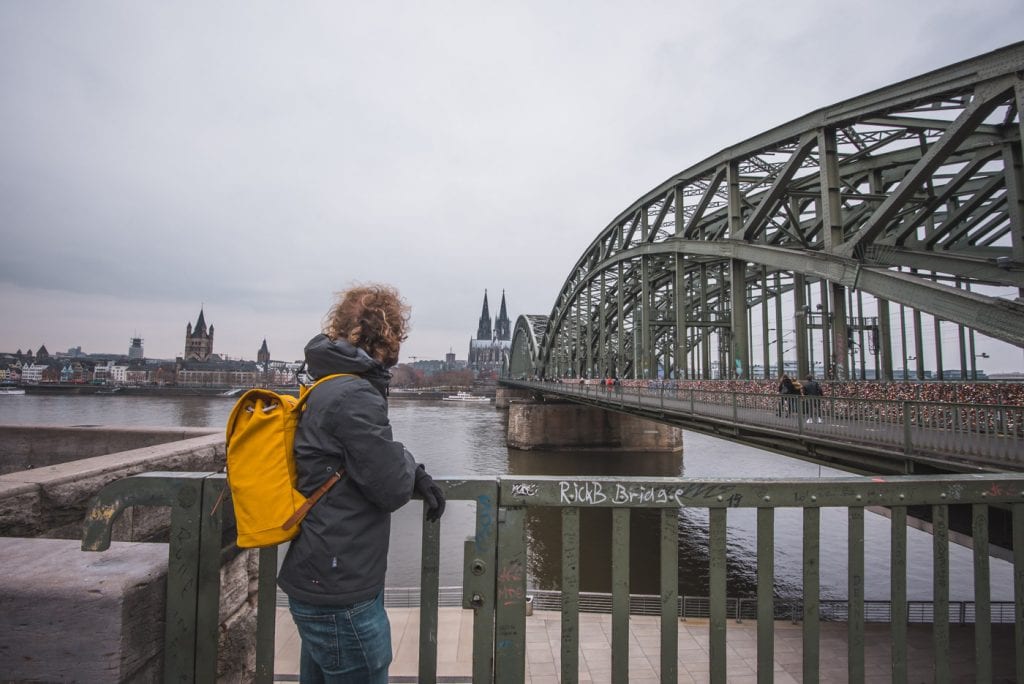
(502, 326)
(483, 330)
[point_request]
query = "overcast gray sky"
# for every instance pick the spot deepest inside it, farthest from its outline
(253, 158)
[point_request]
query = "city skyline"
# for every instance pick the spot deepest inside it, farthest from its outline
(200, 321)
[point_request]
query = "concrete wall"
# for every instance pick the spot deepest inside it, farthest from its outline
(71, 615)
(557, 426)
(67, 615)
(50, 501)
(24, 447)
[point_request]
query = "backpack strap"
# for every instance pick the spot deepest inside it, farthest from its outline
(305, 391)
(299, 514)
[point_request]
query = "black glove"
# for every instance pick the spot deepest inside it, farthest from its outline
(432, 495)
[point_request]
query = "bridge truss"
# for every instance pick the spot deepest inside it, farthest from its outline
(828, 236)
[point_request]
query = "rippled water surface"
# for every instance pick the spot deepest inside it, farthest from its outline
(469, 440)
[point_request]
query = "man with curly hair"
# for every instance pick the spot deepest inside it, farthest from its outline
(334, 570)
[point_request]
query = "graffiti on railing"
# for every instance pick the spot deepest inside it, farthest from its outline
(485, 522)
(511, 583)
(597, 493)
(524, 489)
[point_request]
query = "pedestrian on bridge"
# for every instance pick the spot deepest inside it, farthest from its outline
(334, 571)
(812, 399)
(788, 394)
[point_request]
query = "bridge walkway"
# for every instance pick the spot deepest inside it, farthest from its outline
(878, 436)
(543, 644)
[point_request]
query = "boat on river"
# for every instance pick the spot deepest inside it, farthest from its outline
(465, 396)
(11, 391)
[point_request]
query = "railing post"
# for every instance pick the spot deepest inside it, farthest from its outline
(510, 597)
(481, 583)
(266, 614)
(183, 492)
(430, 564)
(208, 582)
(620, 594)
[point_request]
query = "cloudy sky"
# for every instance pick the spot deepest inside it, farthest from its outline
(253, 158)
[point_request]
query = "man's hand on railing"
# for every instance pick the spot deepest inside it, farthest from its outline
(431, 493)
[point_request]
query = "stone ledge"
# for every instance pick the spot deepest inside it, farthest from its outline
(71, 615)
(51, 501)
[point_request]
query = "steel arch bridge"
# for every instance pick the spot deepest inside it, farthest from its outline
(834, 235)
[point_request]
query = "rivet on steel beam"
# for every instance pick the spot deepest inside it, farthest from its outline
(903, 496)
(767, 498)
(814, 497)
(984, 494)
(942, 495)
(720, 497)
(858, 497)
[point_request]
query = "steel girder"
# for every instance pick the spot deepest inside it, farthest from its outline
(912, 194)
(528, 331)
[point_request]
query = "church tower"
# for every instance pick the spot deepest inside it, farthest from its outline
(489, 349)
(483, 330)
(263, 355)
(502, 326)
(198, 340)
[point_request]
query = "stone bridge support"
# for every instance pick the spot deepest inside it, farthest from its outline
(504, 395)
(567, 426)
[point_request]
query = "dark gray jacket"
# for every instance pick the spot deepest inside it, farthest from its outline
(340, 556)
(812, 388)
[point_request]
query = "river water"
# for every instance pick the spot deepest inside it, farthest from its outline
(459, 440)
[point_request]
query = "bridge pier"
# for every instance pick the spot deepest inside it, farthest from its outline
(505, 395)
(555, 426)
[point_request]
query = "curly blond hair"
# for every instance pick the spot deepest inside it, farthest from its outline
(373, 317)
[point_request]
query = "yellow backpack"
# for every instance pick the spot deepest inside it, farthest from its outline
(261, 466)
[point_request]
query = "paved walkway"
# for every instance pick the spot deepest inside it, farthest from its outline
(543, 649)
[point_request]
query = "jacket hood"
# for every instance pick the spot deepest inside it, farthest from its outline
(325, 356)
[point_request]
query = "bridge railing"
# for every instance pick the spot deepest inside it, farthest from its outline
(985, 434)
(625, 495)
(193, 579)
(495, 575)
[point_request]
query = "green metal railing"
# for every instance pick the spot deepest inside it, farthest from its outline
(193, 568)
(495, 576)
(194, 558)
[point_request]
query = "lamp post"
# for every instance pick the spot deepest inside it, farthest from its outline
(974, 364)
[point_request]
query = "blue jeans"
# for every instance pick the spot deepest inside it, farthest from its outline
(343, 645)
